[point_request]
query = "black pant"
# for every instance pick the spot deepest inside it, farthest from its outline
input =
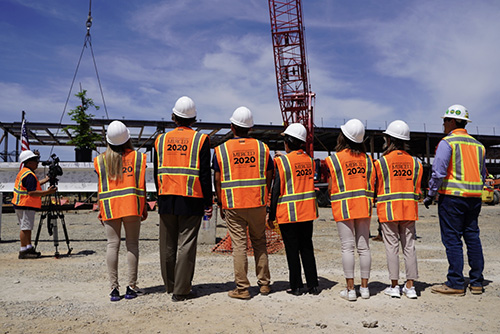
(297, 238)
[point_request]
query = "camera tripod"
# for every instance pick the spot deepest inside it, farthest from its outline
(53, 212)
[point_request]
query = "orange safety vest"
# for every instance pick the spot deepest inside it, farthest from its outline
(398, 186)
(464, 176)
(352, 187)
(297, 200)
(242, 163)
(123, 198)
(178, 153)
(20, 196)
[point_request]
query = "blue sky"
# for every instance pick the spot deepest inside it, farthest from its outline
(369, 59)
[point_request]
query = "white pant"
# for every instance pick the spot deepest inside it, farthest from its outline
(355, 232)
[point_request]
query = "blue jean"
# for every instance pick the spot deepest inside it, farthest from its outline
(458, 218)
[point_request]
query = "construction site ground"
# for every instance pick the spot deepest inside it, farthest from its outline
(70, 294)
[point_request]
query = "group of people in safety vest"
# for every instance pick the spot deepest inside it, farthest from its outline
(252, 189)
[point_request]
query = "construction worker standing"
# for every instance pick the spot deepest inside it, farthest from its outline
(294, 207)
(182, 169)
(398, 189)
(243, 174)
(351, 185)
(27, 199)
(122, 199)
(458, 175)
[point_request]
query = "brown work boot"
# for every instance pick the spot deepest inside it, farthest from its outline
(239, 294)
(446, 290)
(265, 290)
(476, 290)
(377, 238)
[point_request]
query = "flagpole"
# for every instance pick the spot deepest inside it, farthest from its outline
(23, 113)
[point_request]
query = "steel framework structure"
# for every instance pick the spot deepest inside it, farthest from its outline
(294, 91)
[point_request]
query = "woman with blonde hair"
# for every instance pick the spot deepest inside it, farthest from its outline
(122, 199)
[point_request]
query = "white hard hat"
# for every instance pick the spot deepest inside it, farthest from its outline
(398, 129)
(354, 130)
(117, 133)
(25, 155)
(457, 111)
(184, 107)
(296, 130)
(242, 117)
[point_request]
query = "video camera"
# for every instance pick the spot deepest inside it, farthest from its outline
(54, 169)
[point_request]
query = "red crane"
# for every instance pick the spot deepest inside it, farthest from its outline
(294, 90)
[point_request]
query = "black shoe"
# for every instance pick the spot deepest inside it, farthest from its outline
(115, 295)
(179, 298)
(131, 293)
(295, 292)
(30, 253)
(33, 251)
(313, 291)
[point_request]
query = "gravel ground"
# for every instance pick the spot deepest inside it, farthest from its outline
(70, 294)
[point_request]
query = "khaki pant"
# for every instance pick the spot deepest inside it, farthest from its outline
(178, 241)
(404, 232)
(132, 226)
(237, 222)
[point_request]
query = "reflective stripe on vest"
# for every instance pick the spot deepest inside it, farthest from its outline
(128, 196)
(297, 200)
(348, 203)
(173, 178)
(466, 164)
(20, 194)
(399, 177)
(240, 190)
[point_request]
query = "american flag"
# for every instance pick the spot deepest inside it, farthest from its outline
(25, 144)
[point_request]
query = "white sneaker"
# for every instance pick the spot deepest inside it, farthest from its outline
(364, 292)
(349, 295)
(393, 292)
(410, 293)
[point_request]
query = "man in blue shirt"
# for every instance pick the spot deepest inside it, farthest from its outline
(458, 174)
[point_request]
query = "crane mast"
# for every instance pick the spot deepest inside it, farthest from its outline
(294, 91)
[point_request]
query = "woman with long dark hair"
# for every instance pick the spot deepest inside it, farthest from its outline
(398, 189)
(351, 186)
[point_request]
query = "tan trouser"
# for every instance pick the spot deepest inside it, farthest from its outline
(178, 241)
(132, 226)
(237, 222)
(393, 233)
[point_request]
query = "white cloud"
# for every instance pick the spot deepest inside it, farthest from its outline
(401, 63)
(450, 51)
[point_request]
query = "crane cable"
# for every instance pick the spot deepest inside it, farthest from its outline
(87, 40)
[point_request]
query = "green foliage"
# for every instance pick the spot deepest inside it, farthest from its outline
(83, 136)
